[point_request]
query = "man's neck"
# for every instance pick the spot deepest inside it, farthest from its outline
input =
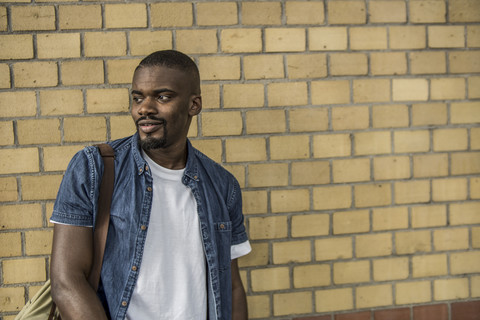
(173, 157)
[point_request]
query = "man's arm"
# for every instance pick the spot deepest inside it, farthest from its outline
(239, 299)
(71, 261)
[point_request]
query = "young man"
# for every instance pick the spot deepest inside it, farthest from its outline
(176, 226)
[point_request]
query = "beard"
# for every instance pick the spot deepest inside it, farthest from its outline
(149, 142)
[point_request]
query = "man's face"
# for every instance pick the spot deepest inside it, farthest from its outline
(163, 106)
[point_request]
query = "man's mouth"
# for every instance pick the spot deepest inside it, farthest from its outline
(149, 126)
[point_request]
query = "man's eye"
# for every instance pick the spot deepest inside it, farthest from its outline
(137, 99)
(163, 98)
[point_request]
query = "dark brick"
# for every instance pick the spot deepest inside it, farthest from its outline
(392, 314)
(366, 315)
(466, 310)
(437, 312)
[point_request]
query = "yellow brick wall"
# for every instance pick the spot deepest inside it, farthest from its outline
(351, 125)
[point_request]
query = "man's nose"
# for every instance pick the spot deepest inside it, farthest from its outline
(147, 106)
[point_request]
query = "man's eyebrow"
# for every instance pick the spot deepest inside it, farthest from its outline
(157, 91)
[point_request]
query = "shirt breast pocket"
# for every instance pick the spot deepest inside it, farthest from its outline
(223, 235)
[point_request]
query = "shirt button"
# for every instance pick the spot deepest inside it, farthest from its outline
(146, 168)
(149, 189)
(134, 268)
(124, 303)
(143, 227)
(195, 177)
(222, 226)
(140, 170)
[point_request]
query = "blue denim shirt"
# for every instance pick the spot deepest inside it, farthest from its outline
(219, 207)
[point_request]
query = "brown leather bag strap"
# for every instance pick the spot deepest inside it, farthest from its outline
(103, 216)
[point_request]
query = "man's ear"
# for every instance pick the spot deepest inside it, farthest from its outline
(196, 106)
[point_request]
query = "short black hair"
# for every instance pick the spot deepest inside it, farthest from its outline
(175, 60)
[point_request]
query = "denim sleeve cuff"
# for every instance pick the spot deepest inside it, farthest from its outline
(71, 219)
(239, 250)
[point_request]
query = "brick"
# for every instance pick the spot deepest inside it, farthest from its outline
(368, 38)
(427, 63)
(40, 187)
(333, 248)
(143, 43)
(438, 311)
(241, 40)
(21, 216)
(289, 147)
(100, 44)
(465, 163)
(82, 72)
(107, 100)
(350, 118)
(59, 102)
(24, 270)
(371, 90)
(409, 242)
(171, 15)
(429, 265)
(84, 129)
(372, 195)
(32, 18)
(3, 19)
(374, 296)
(56, 158)
(80, 17)
(388, 63)
(61, 45)
(351, 170)
(332, 197)
(4, 76)
(304, 12)
(197, 41)
(292, 303)
(411, 141)
(387, 168)
(219, 68)
(327, 38)
(310, 173)
(120, 15)
(390, 269)
(475, 287)
(429, 114)
(407, 37)
(121, 71)
(308, 276)
(465, 310)
(308, 66)
(258, 306)
(234, 95)
(364, 315)
(464, 213)
(221, 123)
(254, 201)
(346, 12)
(308, 119)
(410, 89)
(390, 218)
(343, 64)
(447, 89)
(6, 132)
(464, 11)
(270, 279)
(430, 165)
(464, 62)
(212, 148)
(287, 94)
(446, 36)
(35, 74)
(217, 14)
(238, 171)
(268, 228)
(473, 36)
(38, 131)
(261, 13)
(20, 160)
(267, 175)
(330, 92)
(375, 142)
(291, 251)
(38, 242)
(254, 149)
(373, 245)
(13, 299)
(475, 138)
(8, 189)
(449, 189)
(333, 300)
(285, 40)
(392, 314)
(263, 67)
(475, 188)
(12, 244)
(356, 221)
(450, 139)
(450, 289)
(211, 96)
(427, 11)
(331, 145)
(465, 112)
(450, 239)
(412, 192)
(413, 292)
(258, 257)
(25, 103)
(465, 262)
(387, 12)
(310, 225)
(296, 200)
(351, 272)
(265, 121)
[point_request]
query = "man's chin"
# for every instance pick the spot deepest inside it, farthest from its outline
(149, 143)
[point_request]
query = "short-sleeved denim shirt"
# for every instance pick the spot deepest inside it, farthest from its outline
(219, 207)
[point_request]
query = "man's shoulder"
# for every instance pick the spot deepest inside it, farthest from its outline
(211, 166)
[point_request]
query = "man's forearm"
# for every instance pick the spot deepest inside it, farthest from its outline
(239, 305)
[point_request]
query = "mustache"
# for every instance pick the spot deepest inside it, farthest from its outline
(153, 118)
